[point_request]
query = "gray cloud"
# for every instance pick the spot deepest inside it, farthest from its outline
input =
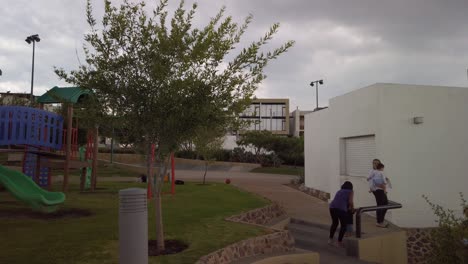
(349, 44)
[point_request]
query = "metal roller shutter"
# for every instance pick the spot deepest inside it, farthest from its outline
(359, 153)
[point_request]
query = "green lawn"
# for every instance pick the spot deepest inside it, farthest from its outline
(195, 215)
(281, 170)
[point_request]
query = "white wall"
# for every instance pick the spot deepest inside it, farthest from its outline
(353, 114)
(420, 159)
(318, 164)
(428, 158)
(230, 142)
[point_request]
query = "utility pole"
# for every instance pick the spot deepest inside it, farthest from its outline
(33, 38)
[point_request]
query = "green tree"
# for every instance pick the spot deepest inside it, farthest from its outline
(290, 149)
(259, 141)
(208, 143)
(166, 78)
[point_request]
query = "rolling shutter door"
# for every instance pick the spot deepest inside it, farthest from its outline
(359, 153)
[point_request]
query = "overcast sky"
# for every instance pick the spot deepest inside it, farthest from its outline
(348, 44)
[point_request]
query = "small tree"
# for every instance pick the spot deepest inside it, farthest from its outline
(166, 81)
(259, 141)
(450, 239)
(288, 148)
(208, 143)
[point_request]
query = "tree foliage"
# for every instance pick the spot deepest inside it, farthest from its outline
(450, 239)
(208, 143)
(286, 148)
(166, 78)
(259, 141)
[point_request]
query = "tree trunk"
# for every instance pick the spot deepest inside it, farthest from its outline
(206, 169)
(158, 207)
(149, 168)
(95, 157)
(68, 148)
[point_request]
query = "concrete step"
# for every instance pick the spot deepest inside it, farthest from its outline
(314, 237)
(279, 223)
(254, 259)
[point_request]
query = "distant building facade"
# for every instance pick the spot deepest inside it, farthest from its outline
(263, 114)
(296, 123)
(267, 114)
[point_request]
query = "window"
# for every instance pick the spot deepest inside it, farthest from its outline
(357, 155)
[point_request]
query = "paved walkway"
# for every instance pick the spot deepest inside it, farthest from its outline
(296, 203)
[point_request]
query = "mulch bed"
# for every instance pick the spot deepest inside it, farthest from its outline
(28, 213)
(172, 247)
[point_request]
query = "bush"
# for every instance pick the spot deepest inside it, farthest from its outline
(186, 154)
(270, 160)
(223, 155)
(118, 150)
(450, 238)
(240, 155)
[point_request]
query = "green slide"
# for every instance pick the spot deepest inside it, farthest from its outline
(26, 190)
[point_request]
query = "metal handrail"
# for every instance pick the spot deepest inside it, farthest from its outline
(360, 210)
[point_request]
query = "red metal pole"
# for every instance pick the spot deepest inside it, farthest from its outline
(173, 174)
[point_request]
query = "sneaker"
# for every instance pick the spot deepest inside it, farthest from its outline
(339, 244)
(330, 241)
(382, 225)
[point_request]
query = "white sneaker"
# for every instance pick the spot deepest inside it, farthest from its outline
(382, 225)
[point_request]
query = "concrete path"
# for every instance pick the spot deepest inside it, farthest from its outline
(297, 204)
(271, 186)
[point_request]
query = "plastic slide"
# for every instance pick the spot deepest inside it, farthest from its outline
(26, 190)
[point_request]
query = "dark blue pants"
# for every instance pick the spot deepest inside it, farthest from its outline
(381, 199)
(340, 216)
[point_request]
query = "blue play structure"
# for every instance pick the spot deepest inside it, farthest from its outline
(37, 131)
(21, 125)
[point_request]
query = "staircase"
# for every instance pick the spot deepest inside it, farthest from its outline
(314, 237)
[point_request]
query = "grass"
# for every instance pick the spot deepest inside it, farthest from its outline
(280, 170)
(195, 215)
(104, 170)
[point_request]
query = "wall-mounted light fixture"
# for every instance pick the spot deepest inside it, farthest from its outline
(418, 120)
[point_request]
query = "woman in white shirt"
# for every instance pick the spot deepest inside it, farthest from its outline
(378, 185)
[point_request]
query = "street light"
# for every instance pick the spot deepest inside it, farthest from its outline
(316, 83)
(33, 38)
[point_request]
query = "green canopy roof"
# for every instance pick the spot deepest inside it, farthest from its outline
(63, 94)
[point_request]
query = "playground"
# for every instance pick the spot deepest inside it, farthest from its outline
(52, 212)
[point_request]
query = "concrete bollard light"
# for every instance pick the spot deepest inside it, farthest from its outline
(133, 226)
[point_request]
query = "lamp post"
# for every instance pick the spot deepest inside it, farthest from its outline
(33, 38)
(316, 83)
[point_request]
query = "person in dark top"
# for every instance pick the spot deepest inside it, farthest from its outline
(339, 207)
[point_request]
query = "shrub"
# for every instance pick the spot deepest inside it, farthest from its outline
(270, 160)
(450, 238)
(240, 155)
(186, 154)
(118, 150)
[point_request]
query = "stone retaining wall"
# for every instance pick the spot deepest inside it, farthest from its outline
(259, 216)
(324, 196)
(278, 242)
(419, 245)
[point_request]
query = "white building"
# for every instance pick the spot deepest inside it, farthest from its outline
(262, 114)
(296, 123)
(419, 132)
